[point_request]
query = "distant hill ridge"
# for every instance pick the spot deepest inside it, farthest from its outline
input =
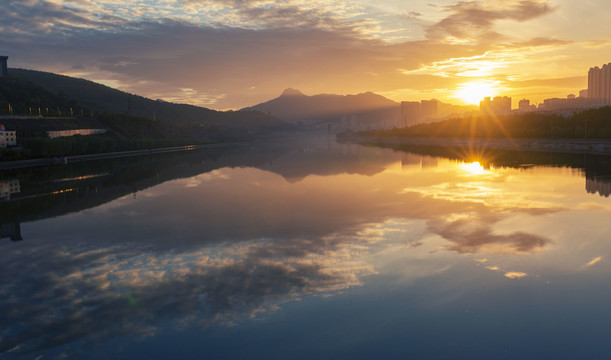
(294, 106)
(102, 98)
(292, 92)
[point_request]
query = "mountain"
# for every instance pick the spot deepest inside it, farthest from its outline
(362, 110)
(101, 98)
(292, 92)
(348, 112)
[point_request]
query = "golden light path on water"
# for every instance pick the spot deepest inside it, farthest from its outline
(517, 222)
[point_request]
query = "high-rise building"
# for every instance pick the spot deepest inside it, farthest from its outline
(410, 113)
(502, 104)
(583, 93)
(428, 109)
(524, 104)
(499, 105)
(599, 84)
(3, 66)
(414, 112)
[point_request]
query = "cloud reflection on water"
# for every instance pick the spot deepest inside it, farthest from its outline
(67, 294)
(473, 235)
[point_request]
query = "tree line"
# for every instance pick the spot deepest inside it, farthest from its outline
(589, 124)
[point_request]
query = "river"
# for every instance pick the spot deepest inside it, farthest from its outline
(308, 249)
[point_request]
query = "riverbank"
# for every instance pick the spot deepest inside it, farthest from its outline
(78, 158)
(572, 146)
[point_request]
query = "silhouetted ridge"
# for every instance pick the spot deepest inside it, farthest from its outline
(104, 99)
(295, 107)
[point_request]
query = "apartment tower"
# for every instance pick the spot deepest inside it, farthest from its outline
(599, 84)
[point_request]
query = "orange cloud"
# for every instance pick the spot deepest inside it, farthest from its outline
(515, 274)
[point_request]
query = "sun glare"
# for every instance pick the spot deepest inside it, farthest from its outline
(473, 92)
(474, 168)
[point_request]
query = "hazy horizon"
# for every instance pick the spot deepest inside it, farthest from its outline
(233, 54)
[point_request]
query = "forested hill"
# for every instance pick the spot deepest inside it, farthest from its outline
(104, 99)
(588, 124)
(21, 97)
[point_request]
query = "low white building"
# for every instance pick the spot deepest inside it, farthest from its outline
(7, 138)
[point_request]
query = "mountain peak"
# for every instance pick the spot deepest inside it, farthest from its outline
(292, 92)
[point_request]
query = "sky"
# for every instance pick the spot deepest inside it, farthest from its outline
(230, 54)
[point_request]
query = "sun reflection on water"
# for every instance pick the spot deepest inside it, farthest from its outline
(474, 168)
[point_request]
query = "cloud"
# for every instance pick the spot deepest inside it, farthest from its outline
(515, 274)
(40, 18)
(593, 261)
(475, 235)
(575, 82)
(326, 15)
(596, 44)
(412, 15)
(474, 20)
(539, 41)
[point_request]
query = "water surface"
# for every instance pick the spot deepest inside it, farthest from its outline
(308, 250)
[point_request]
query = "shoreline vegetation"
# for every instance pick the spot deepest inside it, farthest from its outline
(124, 133)
(572, 146)
(587, 132)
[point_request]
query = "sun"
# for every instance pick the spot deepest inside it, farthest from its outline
(473, 92)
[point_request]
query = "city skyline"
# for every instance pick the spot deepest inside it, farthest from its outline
(597, 94)
(233, 54)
